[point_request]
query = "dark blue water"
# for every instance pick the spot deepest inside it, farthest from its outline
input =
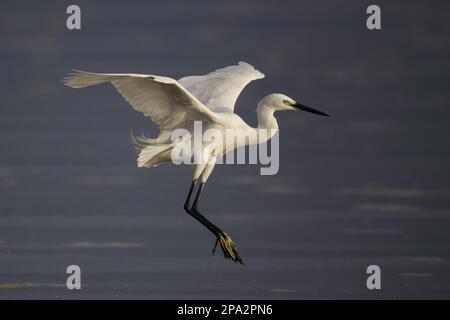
(370, 185)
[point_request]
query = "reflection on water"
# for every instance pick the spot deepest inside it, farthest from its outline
(391, 192)
(102, 245)
(373, 231)
(385, 207)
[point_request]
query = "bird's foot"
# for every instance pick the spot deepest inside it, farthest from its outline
(228, 247)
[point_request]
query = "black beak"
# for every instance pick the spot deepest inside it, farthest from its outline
(308, 109)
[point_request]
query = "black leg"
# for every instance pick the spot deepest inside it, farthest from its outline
(197, 196)
(188, 199)
(194, 212)
(226, 244)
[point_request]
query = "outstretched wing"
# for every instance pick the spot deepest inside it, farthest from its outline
(162, 99)
(219, 90)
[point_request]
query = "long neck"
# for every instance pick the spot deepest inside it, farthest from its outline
(267, 124)
(266, 120)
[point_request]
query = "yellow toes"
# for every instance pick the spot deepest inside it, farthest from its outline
(228, 248)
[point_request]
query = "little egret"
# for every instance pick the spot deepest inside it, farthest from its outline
(173, 104)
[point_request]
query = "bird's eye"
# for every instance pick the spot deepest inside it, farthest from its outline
(285, 101)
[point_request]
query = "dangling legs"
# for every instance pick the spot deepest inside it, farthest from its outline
(200, 218)
(226, 244)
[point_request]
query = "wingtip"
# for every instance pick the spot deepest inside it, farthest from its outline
(246, 64)
(77, 71)
(259, 74)
(69, 76)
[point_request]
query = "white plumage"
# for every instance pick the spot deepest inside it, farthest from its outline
(173, 104)
(219, 90)
(176, 104)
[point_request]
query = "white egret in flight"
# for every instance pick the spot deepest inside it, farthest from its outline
(173, 104)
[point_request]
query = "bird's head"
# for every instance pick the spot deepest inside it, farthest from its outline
(281, 102)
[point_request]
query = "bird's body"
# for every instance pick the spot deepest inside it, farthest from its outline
(225, 123)
(180, 105)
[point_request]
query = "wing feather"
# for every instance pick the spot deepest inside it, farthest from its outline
(164, 100)
(219, 90)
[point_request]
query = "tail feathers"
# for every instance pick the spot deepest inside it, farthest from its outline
(80, 79)
(154, 154)
(140, 142)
